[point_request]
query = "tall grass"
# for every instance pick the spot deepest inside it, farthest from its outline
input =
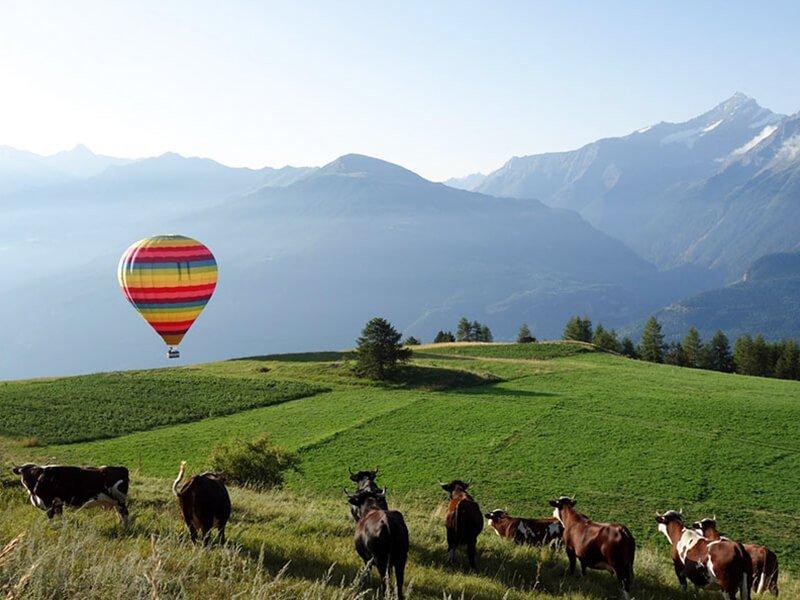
(281, 546)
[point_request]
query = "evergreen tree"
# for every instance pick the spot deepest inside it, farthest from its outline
(743, 356)
(463, 330)
(675, 355)
(578, 329)
(761, 357)
(484, 333)
(443, 337)
(606, 340)
(627, 348)
(651, 346)
(693, 348)
(788, 364)
(475, 330)
(524, 336)
(411, 341)
(719, 353)
(379, 350)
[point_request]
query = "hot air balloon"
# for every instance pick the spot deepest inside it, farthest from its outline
(169, 279)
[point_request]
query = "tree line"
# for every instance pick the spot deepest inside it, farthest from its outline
(749, 356)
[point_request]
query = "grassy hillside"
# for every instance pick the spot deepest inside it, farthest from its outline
(525, 423)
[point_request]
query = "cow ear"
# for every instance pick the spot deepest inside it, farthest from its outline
(553, 503)
(16, 470)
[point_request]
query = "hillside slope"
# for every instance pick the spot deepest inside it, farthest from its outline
(627, 437)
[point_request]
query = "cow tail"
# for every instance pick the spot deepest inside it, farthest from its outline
(117, 495)
(178, 479)
(744, 586)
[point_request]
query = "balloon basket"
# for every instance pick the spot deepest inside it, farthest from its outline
(173, 353)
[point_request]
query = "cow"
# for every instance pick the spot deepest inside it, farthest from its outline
(381, 537)
(711, 564)
(50, 487)
(533, 532)
(204, 503)
(763, 561)
(463, 521)
(365, 480)
(608, 546)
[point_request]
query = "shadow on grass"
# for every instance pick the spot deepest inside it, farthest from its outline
(436, 378)
(501, 392)
(301, 357)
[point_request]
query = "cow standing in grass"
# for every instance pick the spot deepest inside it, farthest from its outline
(607, 546)
(463, 521)
(50, 487)
(711, 564)
(204, 502)
(763, 561)
(534, 532)
(381, 536)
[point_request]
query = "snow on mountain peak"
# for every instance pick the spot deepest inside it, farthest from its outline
(762, 135)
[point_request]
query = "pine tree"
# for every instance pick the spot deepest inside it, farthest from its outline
(524, 336)
(411, 341)
(627, 348)
(578, 329)
(743, 356)
(484, 333)
(692, 348)
(443, 337)
(463, 330)
(788, 364)
(761, 357)
(606, 340)
(475, 331)
(674, 355)
(719, 353)
(379, 350)
(651, 346)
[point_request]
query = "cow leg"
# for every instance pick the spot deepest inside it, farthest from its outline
(56, 509)
(382, 566)
(583, 567)
(122, 509)
(571, 556)
(399, 575)
(221, 535)
(679, 572)
(192, 531)
(471, 554)
(452, 543)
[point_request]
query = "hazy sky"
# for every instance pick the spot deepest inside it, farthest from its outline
(443, 88)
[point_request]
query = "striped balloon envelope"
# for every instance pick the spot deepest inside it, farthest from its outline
(169, 279)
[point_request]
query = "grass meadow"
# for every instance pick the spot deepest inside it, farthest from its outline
(524, 422)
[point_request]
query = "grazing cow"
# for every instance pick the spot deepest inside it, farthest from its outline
(204, 503)
(607, 546)
(763, 561)
(709, 564)
(381, 536)
(464, 521)
(534, 532)
(50, 487)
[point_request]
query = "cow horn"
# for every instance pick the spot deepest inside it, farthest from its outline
(714, 518)
(680, 512)
(349, 470)
(376, 470)
(384, 491)
(346, 493)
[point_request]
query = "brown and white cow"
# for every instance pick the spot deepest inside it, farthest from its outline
(204, 502)
(711, 564)
(381, 536)
(534, 532)
(607, 546)
(463, 521)
(50, 487)
(763, 561)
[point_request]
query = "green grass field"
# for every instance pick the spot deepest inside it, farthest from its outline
(525, 423)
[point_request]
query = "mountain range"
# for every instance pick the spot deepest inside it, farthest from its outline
(667, 218)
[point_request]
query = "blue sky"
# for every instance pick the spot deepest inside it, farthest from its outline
(443, 88)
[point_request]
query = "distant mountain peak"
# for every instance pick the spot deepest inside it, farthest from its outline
(359, 165)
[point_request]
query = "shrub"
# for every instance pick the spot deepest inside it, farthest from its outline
(256, 463)
(411, 341)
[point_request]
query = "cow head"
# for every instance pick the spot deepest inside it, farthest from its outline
(364, 479)
(668, 518)
(703, 525)
(28, 474)
(496, 515)
(455, 486)
(364, 501)
(560, 504)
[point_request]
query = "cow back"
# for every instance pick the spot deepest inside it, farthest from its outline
(72, 485)
(464, 517)
(205, 499)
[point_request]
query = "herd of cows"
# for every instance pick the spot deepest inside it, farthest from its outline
(699, 553)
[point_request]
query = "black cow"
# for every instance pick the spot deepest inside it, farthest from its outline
(204, 503)
(364, 480)
(381, 536)
(50, 487)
